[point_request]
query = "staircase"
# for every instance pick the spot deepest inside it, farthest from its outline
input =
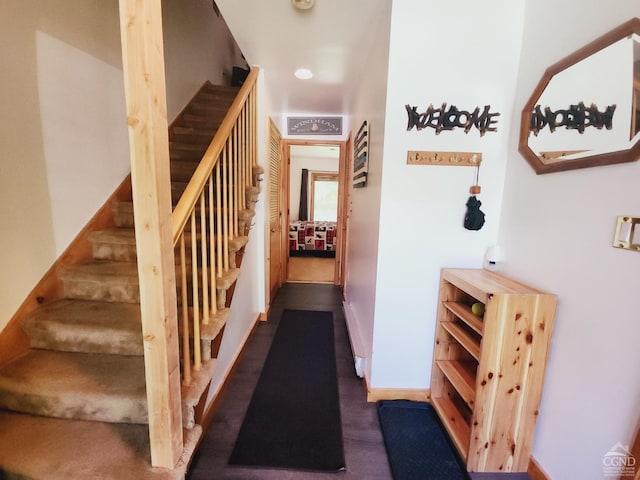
(74, 405)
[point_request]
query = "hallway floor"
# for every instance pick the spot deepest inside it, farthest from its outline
(311, 269)
(365, 454)
(364, 450)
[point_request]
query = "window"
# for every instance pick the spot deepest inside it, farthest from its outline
(324, 197)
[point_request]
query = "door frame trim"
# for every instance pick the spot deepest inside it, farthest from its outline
(343, 197)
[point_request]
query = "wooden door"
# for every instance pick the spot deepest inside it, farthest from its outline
(276, 230)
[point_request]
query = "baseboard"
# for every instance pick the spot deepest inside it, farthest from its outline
(535, 471)
(414, 394)
(356, 342)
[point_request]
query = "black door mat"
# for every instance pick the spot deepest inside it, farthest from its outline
(416, 443)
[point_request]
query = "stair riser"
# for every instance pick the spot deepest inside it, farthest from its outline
(104, 408)
(70, 341)
(104, 292)
(211, 111)
(116, 252)
(200, 122)
(182, 171)
(123, 215)
(86, 327)
(124, 219)
(203, 138)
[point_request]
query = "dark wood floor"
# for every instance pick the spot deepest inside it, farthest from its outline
(363, 443)
(365, 455)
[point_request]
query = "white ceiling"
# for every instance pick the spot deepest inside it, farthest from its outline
(331, 152)
(333, 39)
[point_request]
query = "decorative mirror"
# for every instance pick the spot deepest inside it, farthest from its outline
(585, 111)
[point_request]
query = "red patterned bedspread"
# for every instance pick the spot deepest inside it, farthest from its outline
(319, 236)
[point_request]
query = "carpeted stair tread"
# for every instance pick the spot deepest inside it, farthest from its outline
(223, 282)
(40, 448)
(106, 388)
(191, 394)
(236, 243)
(102, 281)
(227, 279)
(246, 214)
(116, 244)
(86, 326)
(115, 235)
(211, 330)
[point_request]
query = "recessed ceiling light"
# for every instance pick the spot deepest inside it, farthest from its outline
(303, 73)
(303, 4)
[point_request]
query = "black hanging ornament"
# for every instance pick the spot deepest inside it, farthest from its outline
(474, 218)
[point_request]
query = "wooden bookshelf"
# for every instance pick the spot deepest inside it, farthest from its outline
(488, 370)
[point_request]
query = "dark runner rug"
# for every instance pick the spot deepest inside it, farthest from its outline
(416, 442)
(293, 419)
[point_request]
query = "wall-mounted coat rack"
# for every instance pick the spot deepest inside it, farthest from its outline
(451, 159)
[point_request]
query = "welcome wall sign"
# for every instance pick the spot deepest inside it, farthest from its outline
(314, 125)
(450, 117)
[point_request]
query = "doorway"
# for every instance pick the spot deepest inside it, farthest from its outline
(315, 211)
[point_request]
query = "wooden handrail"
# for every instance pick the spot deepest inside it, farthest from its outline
(222, 187)
(197, 183)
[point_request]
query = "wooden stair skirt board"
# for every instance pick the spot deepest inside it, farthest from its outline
(74, 367)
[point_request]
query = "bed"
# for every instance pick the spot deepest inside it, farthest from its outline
(312, 238)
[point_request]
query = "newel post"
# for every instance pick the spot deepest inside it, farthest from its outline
(143, 65)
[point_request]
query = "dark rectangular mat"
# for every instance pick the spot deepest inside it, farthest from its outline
(293, 419)
(416, 443)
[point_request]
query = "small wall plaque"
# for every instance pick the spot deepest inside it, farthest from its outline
(361, 156)
(314, 125)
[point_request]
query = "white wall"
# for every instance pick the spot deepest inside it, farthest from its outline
(41, 42)
(363, 216)
(437, 55)
(64, 144)
(556, 233)
(84, 132)
(198, 47)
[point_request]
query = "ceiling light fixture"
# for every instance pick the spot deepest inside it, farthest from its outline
(303, 73)
(303, 4)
